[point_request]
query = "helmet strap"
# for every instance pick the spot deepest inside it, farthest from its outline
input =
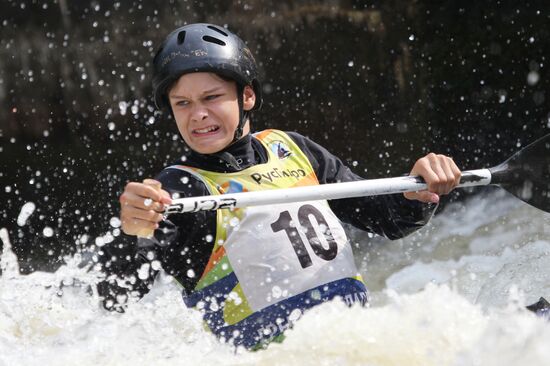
(243, 115)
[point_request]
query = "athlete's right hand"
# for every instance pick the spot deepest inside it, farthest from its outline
(142, 205)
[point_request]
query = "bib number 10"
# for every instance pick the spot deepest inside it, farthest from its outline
(305, 214)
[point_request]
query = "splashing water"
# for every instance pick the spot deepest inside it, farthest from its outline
(451, 294)
(26, 211)
(8, 260)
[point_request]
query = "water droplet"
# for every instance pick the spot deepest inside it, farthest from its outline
(26, 211)
(276, 292)
(99, 241)
(295, 315)
(533, 78)
(114, 222)
(214, 306)
(123, 107)
(47, 232)
(143, 271)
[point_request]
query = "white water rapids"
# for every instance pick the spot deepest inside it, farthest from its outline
(451, 294)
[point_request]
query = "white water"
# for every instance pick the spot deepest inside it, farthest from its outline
(481, 263)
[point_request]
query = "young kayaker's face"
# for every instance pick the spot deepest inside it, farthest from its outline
(206, 110)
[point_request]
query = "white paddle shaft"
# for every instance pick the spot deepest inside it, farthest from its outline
(371, 187)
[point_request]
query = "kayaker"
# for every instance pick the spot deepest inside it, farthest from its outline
(251, 272)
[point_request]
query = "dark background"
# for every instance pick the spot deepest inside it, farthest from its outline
(379, 84)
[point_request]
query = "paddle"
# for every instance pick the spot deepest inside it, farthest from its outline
(526, 175)
(541, 308)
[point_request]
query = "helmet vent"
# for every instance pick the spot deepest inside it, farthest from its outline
(218, 30)
(181, 37)
(213, 40)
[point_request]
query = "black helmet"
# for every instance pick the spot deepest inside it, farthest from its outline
(207, 48)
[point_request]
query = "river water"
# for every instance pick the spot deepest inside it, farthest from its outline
(450, 294)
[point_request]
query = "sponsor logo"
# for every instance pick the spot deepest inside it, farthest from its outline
(232, 186)
(271, 330)
(277, 173)
(356, 297)
(172, 56)
(206, 204)
(280, 149)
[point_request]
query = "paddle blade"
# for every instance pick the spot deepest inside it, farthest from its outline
(541, 308)
(527, 174)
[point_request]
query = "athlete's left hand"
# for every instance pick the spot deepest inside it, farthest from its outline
(440, 173)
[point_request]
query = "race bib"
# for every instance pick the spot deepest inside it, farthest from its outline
(280, 251)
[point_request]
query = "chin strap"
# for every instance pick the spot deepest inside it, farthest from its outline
(243, 115)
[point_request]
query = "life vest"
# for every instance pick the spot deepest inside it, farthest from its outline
(270, 263)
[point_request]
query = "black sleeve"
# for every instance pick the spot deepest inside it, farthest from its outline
(392, 216)
(181, 246)
(127, 271)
